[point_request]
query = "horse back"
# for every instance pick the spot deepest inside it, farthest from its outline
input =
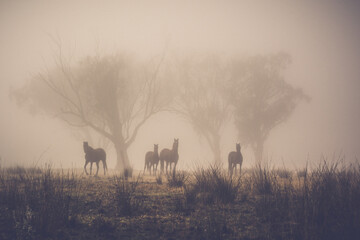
(234, 156)
(165, 154)
(231, 156)
(96, 154)
(149, 155)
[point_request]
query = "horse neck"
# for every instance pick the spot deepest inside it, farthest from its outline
(89, 149)
(174, 149)
(86, 147)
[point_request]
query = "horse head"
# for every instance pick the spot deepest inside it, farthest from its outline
(176, 144)
(86, 146)
(238, 147)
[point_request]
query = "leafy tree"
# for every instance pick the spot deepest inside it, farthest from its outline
(200, 99)
(110, 95)
(260, 97)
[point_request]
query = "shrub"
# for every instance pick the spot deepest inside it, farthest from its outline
(325, 205)
(331, 198)
(176, 179)
(126, 197)
(40, 203)
(302, 173)
(212, 185)
(264, 180)
(283, 173)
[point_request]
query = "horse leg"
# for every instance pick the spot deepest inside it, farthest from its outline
(175, 163)
(97, 168)
(229, 168)
(104, 167)
(86, 163)
(91, 163)
(162, 165)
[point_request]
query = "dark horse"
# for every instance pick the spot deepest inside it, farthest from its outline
(152, 160)
(234, 159)
(94, 156)
(170, 156)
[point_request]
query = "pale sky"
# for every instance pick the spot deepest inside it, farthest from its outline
(322, 36)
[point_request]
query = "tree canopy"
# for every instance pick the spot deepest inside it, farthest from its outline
(260, 97)
(115, 95)
(111, 95)
(200, 99)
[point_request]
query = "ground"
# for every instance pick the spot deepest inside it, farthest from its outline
(204, 204)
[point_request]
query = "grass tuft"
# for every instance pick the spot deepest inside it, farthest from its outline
(212, 185)
(176, 179)
(127, 197)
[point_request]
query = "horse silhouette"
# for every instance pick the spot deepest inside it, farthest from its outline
(94, 156)
(152, 160)
(235, 158)
(170, 156)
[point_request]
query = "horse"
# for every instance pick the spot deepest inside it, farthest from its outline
(170, 156)
(94, 156)
(152, 159)
(235, 158)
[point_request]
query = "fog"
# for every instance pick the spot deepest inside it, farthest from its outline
(321, 36)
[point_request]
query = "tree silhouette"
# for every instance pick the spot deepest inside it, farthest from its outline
(200, 98)
(260, 97)
(111, 95)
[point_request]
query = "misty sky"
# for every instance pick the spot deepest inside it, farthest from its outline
(322, 36)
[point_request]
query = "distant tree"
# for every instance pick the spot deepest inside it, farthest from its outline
(200, 98)
(111, 95)
(260, 97)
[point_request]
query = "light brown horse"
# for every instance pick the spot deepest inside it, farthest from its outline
(170, 156)
(94, 156)
(152, 160)
(234, 159)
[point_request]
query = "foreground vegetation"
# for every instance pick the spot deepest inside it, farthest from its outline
(262, 203)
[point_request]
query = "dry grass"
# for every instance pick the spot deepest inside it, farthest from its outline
(263, 203)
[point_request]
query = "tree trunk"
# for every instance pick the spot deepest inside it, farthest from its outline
(122, 163)
(217, 152)
(258, 149)
(213, 141)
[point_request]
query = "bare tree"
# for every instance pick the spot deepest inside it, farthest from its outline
(260, 97)
(200, 99)
(111, 95)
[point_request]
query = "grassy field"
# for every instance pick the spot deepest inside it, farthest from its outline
(262, 203)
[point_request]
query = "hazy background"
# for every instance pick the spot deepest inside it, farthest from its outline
(322, 36)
